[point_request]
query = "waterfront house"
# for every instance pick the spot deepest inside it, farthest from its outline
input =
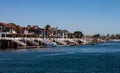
(53, 33)
(32, 31)
(8, 29)
(65, 33)
(36, 30)
(56, 33)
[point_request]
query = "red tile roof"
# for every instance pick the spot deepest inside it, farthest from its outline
(7, 25)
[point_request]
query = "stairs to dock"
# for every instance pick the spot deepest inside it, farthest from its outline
(60, 42)
(72, 41)
(15, 40)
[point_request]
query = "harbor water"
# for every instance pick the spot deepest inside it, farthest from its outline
(99, 58)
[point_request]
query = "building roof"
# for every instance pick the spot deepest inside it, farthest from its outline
(7, 25)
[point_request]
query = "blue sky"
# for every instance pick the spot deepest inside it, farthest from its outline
(88, 16)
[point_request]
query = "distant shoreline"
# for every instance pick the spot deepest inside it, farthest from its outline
(115, 40)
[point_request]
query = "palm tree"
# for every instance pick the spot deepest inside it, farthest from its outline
(47, 28)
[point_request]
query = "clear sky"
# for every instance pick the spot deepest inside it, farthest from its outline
(88, 16)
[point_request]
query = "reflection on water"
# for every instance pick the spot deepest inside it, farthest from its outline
(101, 58)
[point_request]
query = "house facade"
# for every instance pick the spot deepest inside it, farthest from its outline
(7, 29)
(10, 29)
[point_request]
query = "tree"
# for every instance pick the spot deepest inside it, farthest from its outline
(47, 28)
(108, 35)
(70, 35)
(96, 36)
(14, 25)
(78, 34)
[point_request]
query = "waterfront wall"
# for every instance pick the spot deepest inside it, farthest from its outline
(8, 44)
(15, 43)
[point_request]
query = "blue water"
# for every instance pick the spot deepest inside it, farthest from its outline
(100, 58)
